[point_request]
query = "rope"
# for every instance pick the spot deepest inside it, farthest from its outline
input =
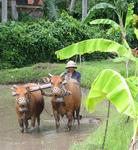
(48, 112)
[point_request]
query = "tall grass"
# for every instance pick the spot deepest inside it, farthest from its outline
(88, 70)
(29, 74)
(118, 136)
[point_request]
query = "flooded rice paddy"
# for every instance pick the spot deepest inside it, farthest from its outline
(47, 138)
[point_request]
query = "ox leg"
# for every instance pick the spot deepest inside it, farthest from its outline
(78, 115)
(33, 119)
(38, 123)
(26, 124)
(73, 116)
(21, 125)
(70, 117)
(57, 118)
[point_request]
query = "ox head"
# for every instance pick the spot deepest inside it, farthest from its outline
(57, 82)
(22, 96)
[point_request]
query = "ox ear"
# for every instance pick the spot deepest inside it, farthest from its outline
(64, 82)
(14, 93)
(14, 87)
(46, 79)
(28, 89)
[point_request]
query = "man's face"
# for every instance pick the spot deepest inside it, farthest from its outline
(71, 69)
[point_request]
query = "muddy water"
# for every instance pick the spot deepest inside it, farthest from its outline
(45, 139)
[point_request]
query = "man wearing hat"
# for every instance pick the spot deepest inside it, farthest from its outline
(71, 72)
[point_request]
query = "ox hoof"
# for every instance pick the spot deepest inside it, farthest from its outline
(69, 128)
(57, 125)
(32, 129)
(38, 129)
(26, 131)
(57, 128)
(22, 130)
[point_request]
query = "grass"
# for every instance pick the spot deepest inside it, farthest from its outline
(118, 136)
(29, 74)
(88, 70)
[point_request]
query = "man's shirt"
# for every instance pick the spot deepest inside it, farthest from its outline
(75, 75)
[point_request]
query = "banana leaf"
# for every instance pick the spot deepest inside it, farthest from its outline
(122, 93)
(95, 7)
(129, 16)
(106, 21)
(136, 32)
(90, 46)
(133, 85)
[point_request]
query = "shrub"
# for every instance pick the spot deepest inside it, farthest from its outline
(24, 43)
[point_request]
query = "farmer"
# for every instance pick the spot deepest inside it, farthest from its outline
(71, 72)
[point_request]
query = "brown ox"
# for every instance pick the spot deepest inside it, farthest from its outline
(67, 105)
(29, 105)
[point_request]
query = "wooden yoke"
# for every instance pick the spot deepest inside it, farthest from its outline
(35, 88)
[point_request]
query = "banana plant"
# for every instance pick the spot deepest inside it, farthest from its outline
(96, 7)
(115, 26)
(118, 10)
(92, 45)
(121, 92)
(80, 48)
(136, 32)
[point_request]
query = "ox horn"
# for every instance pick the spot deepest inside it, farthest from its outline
(50, 75)
(62, 74)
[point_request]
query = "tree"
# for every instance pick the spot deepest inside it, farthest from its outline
(14, 10)
(84, 8)
(72, 5)
(4, 11)
(118, 8)
(50, 9)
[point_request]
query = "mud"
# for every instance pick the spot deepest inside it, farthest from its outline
(45, 139)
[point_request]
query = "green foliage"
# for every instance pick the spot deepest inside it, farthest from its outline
(90, 46)
(32, 42)
(118, 135)
(131, 38)
(88, 70)
(50, 9)
(129, 15)
(5, 65)
(136, 32)
(121, 92)
(29, 74)
(106, 21)
(112, 86)
(97, 7)
(36, 41)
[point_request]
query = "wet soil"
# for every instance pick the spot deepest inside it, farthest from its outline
(47, 138)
